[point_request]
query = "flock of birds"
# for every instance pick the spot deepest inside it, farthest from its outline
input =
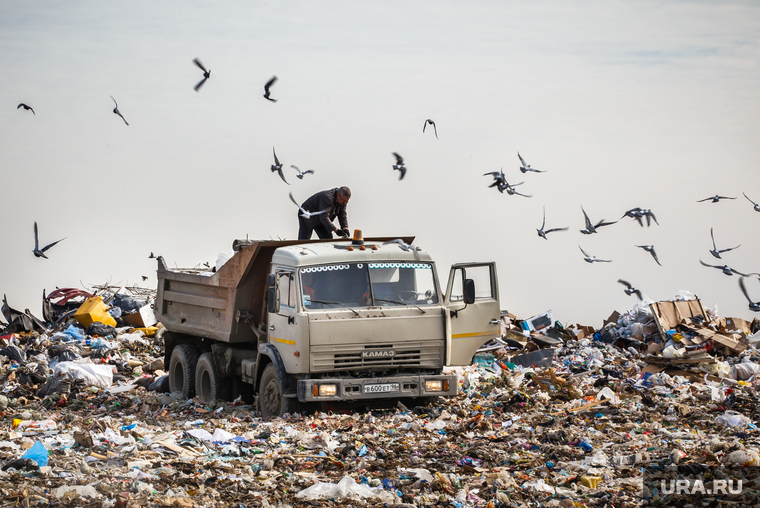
(499, 182)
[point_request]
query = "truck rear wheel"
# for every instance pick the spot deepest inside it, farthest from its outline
(271, 398)
(182, 369)
(209, 383)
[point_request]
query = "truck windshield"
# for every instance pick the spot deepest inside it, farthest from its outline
(368, 284)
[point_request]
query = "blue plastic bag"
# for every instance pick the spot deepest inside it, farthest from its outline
(74, 332)
(37, 453)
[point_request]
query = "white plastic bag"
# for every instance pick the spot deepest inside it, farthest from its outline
(92, 374)
(733, 419)
(347, 488)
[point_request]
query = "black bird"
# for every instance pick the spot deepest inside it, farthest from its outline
(630, 290)
(526, 167)
(429, 121)
(753, 306)
(639, 213)
(591, 228)
(543, 233)
(399, 165)
(715, 252)
(714, 198)
(151, 256)
(650, 216)
(29, 108)
(757, 205)
(40, 253)
(725, 269)
(144, 277)
(266, 88)
(116, 110)
(277, 167)
(301, 174)
(650, 249)
(206, 74)
(499, 180)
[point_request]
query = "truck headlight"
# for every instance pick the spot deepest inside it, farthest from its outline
(328, 390)
(436, 386)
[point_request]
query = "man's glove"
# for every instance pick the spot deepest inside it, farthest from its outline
(341, 232)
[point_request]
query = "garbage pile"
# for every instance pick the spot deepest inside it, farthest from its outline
(546, 415)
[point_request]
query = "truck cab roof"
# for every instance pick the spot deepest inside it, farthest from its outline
(346, 251)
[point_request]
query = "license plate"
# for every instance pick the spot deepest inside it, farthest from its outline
(388, 387)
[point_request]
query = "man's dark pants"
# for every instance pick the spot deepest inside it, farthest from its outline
(304, 231)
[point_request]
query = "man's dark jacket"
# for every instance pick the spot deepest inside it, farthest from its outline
(325, 200)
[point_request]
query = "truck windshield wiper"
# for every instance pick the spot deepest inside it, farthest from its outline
(336, 303)
(400, 303)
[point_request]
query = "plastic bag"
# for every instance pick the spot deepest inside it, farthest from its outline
(347, 488)
(733, 419)
(684, 295)
(15, 353)
(37, 453)
(223, 257)
(93, 375)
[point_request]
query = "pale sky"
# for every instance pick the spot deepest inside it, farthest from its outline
(624, 104)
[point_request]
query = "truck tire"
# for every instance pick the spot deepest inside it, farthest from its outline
(271, 398)
(209, 383)
(182, 369)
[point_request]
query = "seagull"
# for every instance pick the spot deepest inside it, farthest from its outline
(630, 289)
(29, 108)
(278, 167)
(499, 180)
(725, 269)
(406, 247)
(543, 233)
(116, 110)
(399, 165)
(429, 121)
(266, 88)
(591, 259)
(650, 249)
(511, 189)
(591, 228)
(757, 206)
(304, 213)
(526, 167)
(40, 253)
(714, 198)
(206, 74)
(753, 306)
(301, 174)
(715, 252)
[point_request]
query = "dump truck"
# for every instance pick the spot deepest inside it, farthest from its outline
(293, 322)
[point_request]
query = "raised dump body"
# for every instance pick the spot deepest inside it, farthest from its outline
(322, 321)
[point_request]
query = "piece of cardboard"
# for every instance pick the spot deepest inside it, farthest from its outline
(732, 345)
(738, 324)
(654, 348)
(142, 318)
(612, 319)
(83, 439)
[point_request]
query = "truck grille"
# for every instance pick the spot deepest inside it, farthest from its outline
(349, 356)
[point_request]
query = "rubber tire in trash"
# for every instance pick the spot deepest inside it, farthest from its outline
(271, 399)
(209, 383)
(182, 369)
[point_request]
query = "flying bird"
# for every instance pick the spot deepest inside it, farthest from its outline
(543, 233)
(399, 165)
(144, 277)
(499, 180)
(206, 74)
(591, 259)
(304, 213)
(753, 306)
(429, 121)
(639, 213)
(278, 167)
(29, 108)
(266, 88)
(406, 247)
(151, 256)
(630, 290)
(301, 174)
(40, 253)
(714, 198)
(526, 167)
(715, 252)
(116, 110)
(725, 269)
(510, 188)
(650, 249)
(757, 206)
(591, 228)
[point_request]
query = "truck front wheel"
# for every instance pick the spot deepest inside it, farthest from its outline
(182, 369)
(209, 383)
(271, 398)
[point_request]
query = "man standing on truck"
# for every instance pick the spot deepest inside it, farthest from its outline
(333, 202)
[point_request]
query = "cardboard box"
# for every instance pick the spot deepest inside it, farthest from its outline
(144, 317)
(737, 324)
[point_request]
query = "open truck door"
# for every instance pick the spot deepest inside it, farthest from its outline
(472, 300)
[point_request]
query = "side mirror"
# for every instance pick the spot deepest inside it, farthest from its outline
(273, 300)
(469, 291)
(271, 280)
